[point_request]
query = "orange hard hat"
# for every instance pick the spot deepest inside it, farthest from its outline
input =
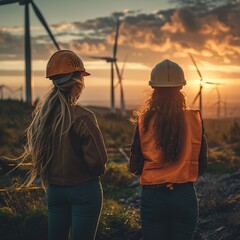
(64, 62)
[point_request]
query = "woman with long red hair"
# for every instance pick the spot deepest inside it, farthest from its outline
(173, 146)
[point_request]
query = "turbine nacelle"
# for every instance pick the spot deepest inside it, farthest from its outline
(111, 60)
(107, 59)
(23, 2)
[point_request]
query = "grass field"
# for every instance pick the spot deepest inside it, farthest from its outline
(23, 214)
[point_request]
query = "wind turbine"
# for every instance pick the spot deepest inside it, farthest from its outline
(28, 69)
(1, 90)
(199, 94)
(20, 89)
(225, 108)
(113, 60)
(218, 103)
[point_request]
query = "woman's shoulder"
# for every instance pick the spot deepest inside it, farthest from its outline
(83, 116)
(82, 112)
(193, 115)
(192, 112)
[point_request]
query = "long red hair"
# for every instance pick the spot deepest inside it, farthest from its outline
(166, 105)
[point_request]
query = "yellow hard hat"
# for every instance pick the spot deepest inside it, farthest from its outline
(167, 74)
(64, 62)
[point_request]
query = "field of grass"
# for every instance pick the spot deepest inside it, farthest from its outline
(23, 214)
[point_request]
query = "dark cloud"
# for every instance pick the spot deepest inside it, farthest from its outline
(202, 5)
(188, 19)
(199, 27)
(11, 45)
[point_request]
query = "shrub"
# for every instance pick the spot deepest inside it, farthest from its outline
(222, 162)
(117, 221)
(34, 226)
(117, 174)
(8, 224)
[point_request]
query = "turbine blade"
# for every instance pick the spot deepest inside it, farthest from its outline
(212, 90)
(44, 23)
(118, 73)
(213, 104)
(116, 84)
(6, 87)
(116, 40)
(212, 83)
(108, 59)
(9, 89)
(3, 2)
(122, 100)
(112, 89)
(18, 89)
(199, 73)
(123, 67)
(195, 99)
(218, 93)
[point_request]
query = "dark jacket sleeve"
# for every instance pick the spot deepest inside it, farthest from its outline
(203, 155)
(136, 157)
(93, 147)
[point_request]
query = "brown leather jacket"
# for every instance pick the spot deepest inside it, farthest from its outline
(82, 155)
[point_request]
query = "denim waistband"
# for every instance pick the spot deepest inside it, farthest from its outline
(165, 185)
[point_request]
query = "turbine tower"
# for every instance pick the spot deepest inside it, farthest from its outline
(28, 69)
(113, 60)
(120, 78)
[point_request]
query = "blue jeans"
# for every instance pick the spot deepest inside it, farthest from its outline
(169, 214)
(74, 210)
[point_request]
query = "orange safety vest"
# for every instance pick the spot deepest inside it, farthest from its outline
(185, 169)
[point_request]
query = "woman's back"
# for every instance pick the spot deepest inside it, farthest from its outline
(156, 169)
(171, 139)
(80, 155)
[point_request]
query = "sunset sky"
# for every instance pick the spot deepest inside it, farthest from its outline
(150, 31)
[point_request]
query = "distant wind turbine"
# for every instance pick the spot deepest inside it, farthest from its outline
(219, 102)
(20, 89)
(233, 111)
(1, 90)
(28, 68)
(225, 108)
(113, 60)
(199, 94)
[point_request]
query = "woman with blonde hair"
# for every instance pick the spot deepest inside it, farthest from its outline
(169, 152)
(68, 152)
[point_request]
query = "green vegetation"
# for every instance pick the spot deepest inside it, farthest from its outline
(23, 214)
(224, 145)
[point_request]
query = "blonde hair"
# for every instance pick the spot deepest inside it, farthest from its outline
(53, 115)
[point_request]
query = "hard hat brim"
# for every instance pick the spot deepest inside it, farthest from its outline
(85, 74)
(154, 84)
